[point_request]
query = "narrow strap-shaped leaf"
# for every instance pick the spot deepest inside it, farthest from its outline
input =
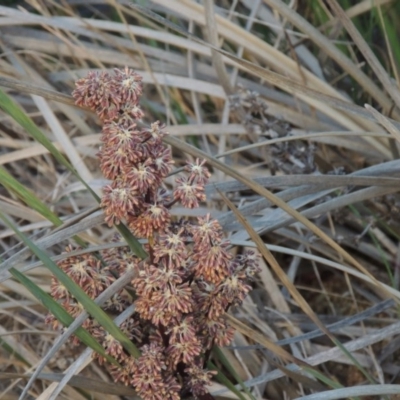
(78, 381)
(89, 305)
(132, 242)
(61, 314)
(28, 197)
(225, 381)
(8, 105)
(11, 108)
(217, 352)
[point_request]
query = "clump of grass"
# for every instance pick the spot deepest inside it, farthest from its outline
(273, 97)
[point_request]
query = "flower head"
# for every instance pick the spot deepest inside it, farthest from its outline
(130, 112)
(118, 200)
(120, 259)
(185, 352)
(98, 91)
(129, 85)
(212, 261)
(206, 230)
(198, 379)
(153, 218)
(162, 160)
(189, 194)
(198, 172)
(120, 135)
(172, 247)
(141, 176)
(150, 378)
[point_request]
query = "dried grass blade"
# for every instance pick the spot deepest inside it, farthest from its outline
(76, 325)
(388, 44)
(59, 312)
(51, 119)
(348, 270)
(345, 322)
(50, 240)
(90, 306)
(278, 351)
(259, 338)
(385, 122)
(219, 65)
(80, 363)
(345, 393)
(19, 210)
(68, 148)
(289, 285)
(220, 356)
(327, 46)
(28, 88)
(330, 354)
(19, 116)
(271, 197)
(372, 60)
(12, 185)
(78, 381)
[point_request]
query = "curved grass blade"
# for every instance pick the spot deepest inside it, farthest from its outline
(78, 381)
(28, 197)
(61, 314)
(12, 109)
(11, 350)
(89, 305)
(272, 77)
(132, 242)
(225, 381)
(289, 285)
(217, 352)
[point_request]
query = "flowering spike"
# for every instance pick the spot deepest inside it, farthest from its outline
(190, 278)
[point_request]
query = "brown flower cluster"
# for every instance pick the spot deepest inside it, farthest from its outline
(190, 278)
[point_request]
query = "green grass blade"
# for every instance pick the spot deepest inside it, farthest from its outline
(132, 242)
(225, 381)
(14, 352)
(89, 305)
(330, 382)
(28, 197)
(12, 109)
(218, 353)
(61, 314)
(318, 375)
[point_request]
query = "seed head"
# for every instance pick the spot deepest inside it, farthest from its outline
(189, 279)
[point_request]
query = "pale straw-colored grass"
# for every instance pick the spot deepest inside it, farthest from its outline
(328, 238)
